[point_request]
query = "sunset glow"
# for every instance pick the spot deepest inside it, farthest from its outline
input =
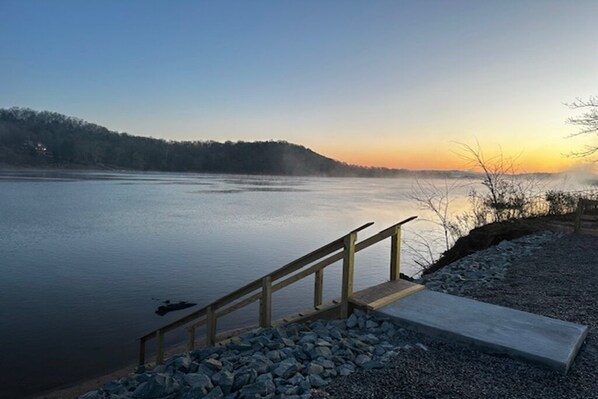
(439, 160)
(387, 84)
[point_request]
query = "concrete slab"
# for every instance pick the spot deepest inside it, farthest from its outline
(491, 328)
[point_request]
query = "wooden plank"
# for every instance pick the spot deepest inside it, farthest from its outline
(256, 284)
(281, 272)
(362, 227)
(382, 294)
(315, 255)
(178, 323)
(239, 305)
(141, 351)
(318, 287)
(191, 344)
(201, 322)
(394, 297)
(395, 255)
(332, 309)
(211, 330)
(275, 287)
(348, 273)
(285, 283)
(382, 235)
(578, 213)
(160, 347)
(266, 303)
(286, 269)
(304, 273)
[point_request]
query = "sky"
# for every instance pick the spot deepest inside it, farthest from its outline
(376, 83)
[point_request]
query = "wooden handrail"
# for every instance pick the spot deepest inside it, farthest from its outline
(382, 235)
(257, 284)
(210, 313)
(318, 267)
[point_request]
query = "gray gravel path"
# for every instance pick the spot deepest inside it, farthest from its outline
(559, 279)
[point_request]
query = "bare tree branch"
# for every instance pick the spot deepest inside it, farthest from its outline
(587, 122)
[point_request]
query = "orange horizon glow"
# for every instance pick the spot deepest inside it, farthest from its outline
(538, 161)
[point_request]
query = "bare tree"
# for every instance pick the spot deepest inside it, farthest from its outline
(587, 121)
(422, 248)
(508, 195)
(437, 199)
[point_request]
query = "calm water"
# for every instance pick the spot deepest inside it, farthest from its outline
(86, 257)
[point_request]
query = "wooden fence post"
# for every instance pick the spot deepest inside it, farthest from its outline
(578, 214)
(395, 255)
(141, 351)
(160, 347)
(348, 272)
(191, 344)
(318, 288)
(266, 303)
(211, 326)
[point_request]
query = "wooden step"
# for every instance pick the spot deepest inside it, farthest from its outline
(325, 311)
(382, 294)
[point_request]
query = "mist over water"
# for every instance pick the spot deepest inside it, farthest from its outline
(87, 257)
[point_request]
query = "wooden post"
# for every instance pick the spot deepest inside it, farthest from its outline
(211, 326)
(141, 351)
(395, 255)
(578, 214)
(348, 271)
(191, 344)
(318, 288)
(160, 347)
(266, 303)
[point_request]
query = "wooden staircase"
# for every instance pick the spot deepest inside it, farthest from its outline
(343, 248)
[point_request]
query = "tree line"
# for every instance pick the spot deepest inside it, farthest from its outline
(48, 139)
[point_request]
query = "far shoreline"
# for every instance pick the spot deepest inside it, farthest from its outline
(401, 174)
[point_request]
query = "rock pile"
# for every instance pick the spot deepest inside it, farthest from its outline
(483, 269)
(283, 362)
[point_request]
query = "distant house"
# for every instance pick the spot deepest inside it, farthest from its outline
(38, 148)
(41, 149)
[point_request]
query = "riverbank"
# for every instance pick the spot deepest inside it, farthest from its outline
(366, 357)
(556, 278)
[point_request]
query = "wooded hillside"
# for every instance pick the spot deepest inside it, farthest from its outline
(31, 138)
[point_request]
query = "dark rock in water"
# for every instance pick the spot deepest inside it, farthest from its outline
(171, 307)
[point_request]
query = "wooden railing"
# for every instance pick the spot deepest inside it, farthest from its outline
(582, 206)
(343, 248)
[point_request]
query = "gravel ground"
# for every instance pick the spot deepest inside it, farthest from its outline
(560, 280)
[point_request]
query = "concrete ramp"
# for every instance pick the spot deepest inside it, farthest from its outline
(491, 328)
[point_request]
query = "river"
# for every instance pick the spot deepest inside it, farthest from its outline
(87, 257)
